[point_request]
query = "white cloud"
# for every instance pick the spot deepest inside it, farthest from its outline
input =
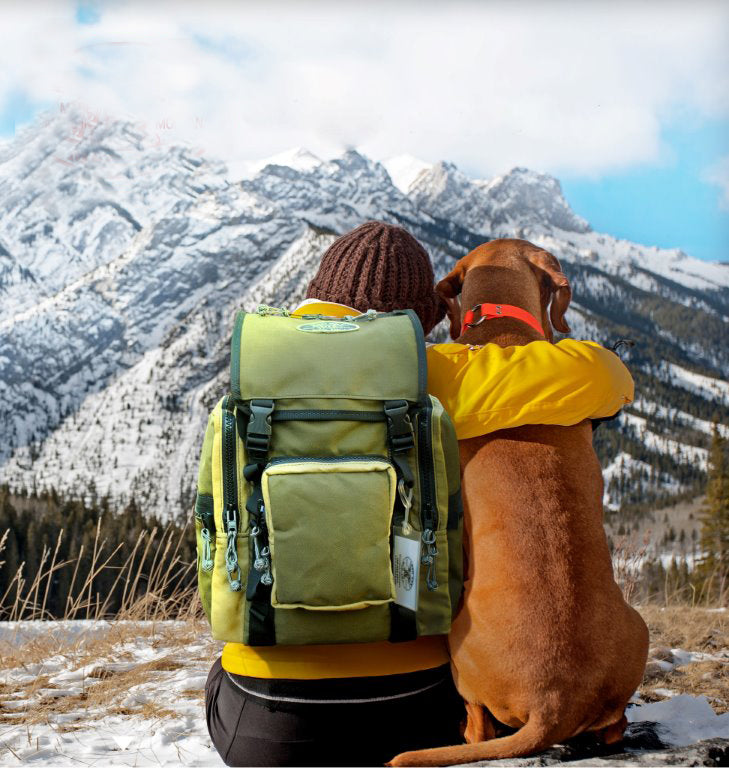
(718, 174)
(564, 87)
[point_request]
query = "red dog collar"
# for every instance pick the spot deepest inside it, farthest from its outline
(492, 311)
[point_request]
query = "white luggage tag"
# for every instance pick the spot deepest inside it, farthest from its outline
(405, 570)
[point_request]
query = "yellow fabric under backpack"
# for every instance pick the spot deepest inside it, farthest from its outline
(483, 389)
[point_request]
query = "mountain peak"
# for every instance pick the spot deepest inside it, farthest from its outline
(354, 160)
(522, 189)
(404, 170)
(518, 198)
(298, 158)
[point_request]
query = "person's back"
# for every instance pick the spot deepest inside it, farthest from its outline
(310, 704)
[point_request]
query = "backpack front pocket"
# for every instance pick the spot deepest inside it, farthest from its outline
(329, 532)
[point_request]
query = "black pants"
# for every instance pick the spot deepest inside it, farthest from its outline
(356, 721)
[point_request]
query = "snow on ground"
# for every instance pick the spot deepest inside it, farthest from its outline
(623, 465)
(678, 417)
(682, 719)
(151, 712)
(154, 719)
(688, 454)
(695, 382)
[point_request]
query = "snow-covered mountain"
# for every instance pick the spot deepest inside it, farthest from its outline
(122, 262)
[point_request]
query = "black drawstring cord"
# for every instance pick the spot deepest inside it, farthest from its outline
(622, 342)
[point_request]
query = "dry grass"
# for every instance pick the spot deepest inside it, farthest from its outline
(628, 556)
(100, 641)
(153, 561)
(105, 688)
(166, 616)
(691, 629)
(706, 678)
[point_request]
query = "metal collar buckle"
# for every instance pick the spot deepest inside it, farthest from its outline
(498, 312)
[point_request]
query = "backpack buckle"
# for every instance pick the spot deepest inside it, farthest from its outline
(258, 434)
(399, 426)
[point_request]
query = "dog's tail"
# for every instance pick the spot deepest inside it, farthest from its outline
(533, 737)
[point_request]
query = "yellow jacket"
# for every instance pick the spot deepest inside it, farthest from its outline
(483, 389)
(488, 387)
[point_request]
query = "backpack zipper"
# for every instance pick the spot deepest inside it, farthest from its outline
(331, 459)
(429, 511)
(230, 496)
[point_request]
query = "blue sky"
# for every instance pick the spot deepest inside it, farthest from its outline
(667, 203)
(628, 106)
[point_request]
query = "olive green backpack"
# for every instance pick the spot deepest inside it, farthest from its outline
(328, 504)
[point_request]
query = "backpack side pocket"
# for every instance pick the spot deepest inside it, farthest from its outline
(204, 520)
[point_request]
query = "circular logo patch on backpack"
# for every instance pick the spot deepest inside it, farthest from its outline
(327, 326)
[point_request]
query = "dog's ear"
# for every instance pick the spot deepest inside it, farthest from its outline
(448, 290)
(558, 284)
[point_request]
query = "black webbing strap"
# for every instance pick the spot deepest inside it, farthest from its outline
(403, 626)
(401, 440)
(261, 627)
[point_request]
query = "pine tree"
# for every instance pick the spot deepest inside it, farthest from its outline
(713, 568)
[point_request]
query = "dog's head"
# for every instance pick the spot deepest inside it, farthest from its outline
(508, 272)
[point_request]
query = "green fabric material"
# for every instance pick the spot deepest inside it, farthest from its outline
(302, 627)
(379, 361)
(434, 607)
(235, 354)
(439, 462)
(328, 438)
(330, 403)
(329, 532)
(452, 458)
(228, 608)
(205, 473)
(204, 504)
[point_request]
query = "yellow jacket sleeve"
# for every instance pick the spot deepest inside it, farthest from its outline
(490, 387)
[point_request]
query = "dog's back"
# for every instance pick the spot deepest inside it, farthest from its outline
(544, 639)
(542, 616)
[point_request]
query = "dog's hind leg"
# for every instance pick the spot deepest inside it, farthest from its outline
(613, 733)
(480, 726)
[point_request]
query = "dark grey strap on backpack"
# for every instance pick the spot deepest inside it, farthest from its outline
(401, 440)
(261, 627)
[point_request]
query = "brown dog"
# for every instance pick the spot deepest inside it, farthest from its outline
(544, 639)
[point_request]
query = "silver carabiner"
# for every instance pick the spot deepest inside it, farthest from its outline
(428, 556)
(261, 562)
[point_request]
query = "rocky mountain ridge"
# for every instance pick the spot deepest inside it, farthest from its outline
(121, 265)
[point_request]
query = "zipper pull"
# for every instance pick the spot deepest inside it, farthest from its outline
(406, 497)
(231, 552)
(261, 563)
(429, 553)
(206, 559)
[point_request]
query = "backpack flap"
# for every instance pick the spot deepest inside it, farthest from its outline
(371, 358)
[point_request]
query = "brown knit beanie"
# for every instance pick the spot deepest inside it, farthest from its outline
(379, 266)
